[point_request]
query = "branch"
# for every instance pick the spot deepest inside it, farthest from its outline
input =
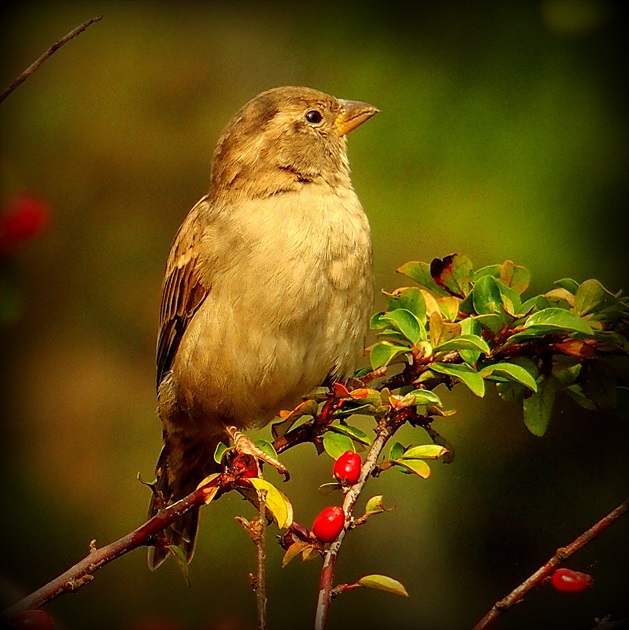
(81, 573)
(518, 594)
(256, 530)
(384, 431)
(34, 66)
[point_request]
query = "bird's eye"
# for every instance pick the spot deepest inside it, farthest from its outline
(314, 116)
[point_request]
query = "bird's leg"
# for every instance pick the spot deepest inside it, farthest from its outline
(244, 445)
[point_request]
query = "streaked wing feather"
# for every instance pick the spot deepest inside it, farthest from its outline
(183, 290)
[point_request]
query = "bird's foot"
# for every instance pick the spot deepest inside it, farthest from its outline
(244, 445)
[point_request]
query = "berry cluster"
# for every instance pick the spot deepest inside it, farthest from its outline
(331, 520)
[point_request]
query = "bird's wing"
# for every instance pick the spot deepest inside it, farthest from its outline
(183, 289)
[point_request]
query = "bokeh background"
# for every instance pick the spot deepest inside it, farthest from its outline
(502, 134)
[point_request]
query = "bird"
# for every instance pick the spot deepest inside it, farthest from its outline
(267, 290)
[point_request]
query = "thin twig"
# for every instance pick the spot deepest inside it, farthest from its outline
(81, 573)
(518, 594)
(256, 530)
(260, 542)
(384, 431)
(33, 67)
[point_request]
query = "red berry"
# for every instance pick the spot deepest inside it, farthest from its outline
(329, 524)
(33, 620)
(347, 468)
(22, 219)
(569, 581)
(245, 465)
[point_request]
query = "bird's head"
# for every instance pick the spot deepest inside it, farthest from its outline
(284, 138)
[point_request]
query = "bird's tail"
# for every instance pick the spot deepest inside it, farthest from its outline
(169, 489)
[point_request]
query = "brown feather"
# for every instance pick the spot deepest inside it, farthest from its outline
(182, 291)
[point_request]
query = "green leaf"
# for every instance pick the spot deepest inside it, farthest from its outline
(180, 557)
(377, 322)
(276, 502)
(575, 392)
(469, 326)
(396, 451)
(510, 299)
(335, 444)
(383, 583)
(512, 372)
(488, 270)
(422, 397)
(568, 284)
(354, 433)
(486, 296)
(383, 352)
(409, 298)
(493, 322)
(532, 304)
(464, 373)
(592, 296)
(420, 272)
(362, 372)
(407, 323)
(424, 451)
(538, 406)
(464, 342)
(219, 452)
(566, 370)
(553, 319)
(375, 505)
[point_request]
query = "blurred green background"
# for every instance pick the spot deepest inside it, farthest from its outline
(502, 134)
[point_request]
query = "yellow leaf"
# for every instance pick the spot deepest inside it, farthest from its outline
(384, 583)
(208, 479)
(417, 466)
(276, 502)
(208, 492)
(431, 303)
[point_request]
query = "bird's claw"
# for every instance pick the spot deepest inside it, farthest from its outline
(245, 446)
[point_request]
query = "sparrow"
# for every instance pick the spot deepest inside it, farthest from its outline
(268, 286)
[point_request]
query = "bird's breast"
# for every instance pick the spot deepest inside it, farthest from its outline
(288, 306)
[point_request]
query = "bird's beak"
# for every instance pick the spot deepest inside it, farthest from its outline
(353, 114)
